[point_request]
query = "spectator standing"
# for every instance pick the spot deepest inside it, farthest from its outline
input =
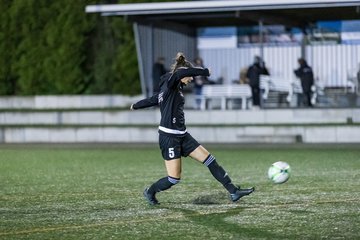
(157, 71)
(305, 73)
(199, 83)
(253, 74)
(358, 81)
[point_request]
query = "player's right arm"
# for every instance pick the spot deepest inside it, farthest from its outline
(145, 103)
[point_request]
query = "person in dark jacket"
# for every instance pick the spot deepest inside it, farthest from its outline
(253, 74)
(199, 82)
(174, 140)
(305, 73)
(157, 71)
(358, 81)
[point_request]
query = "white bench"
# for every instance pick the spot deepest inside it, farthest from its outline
(225, 93)
(268, 83)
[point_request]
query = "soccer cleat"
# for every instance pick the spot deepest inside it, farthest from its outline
(240, 193)
(150, 198)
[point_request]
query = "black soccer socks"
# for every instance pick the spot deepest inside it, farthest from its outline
(163, 184)
(219, 173)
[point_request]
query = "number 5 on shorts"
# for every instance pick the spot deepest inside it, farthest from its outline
(171, 153)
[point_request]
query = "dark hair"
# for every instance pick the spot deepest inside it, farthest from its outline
(257, 59)
(180, 61)
(302, 61)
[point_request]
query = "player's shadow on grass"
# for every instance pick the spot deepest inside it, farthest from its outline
(216, 198)
(225, 222)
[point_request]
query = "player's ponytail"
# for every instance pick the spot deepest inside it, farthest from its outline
(180, 61)
(180, 58)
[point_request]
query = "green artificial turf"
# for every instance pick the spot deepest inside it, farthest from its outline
(95, 192)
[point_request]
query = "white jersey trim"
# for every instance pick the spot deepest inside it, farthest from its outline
(171, 131)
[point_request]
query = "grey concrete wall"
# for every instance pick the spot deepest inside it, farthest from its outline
(215, 126)
(78, 135)
(245, 134)
(67, 101)
(152, 116)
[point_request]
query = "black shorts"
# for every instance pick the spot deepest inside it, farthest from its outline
(173, 147)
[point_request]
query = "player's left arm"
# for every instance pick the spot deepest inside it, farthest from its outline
(187, 72)
(192, 72)
(145, 103)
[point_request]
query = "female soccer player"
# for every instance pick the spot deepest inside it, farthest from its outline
(174, 140)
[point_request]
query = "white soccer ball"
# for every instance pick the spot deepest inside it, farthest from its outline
(279, 172)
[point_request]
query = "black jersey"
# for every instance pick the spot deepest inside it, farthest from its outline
(171, 100)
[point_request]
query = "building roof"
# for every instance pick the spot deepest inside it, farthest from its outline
(236, 12)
